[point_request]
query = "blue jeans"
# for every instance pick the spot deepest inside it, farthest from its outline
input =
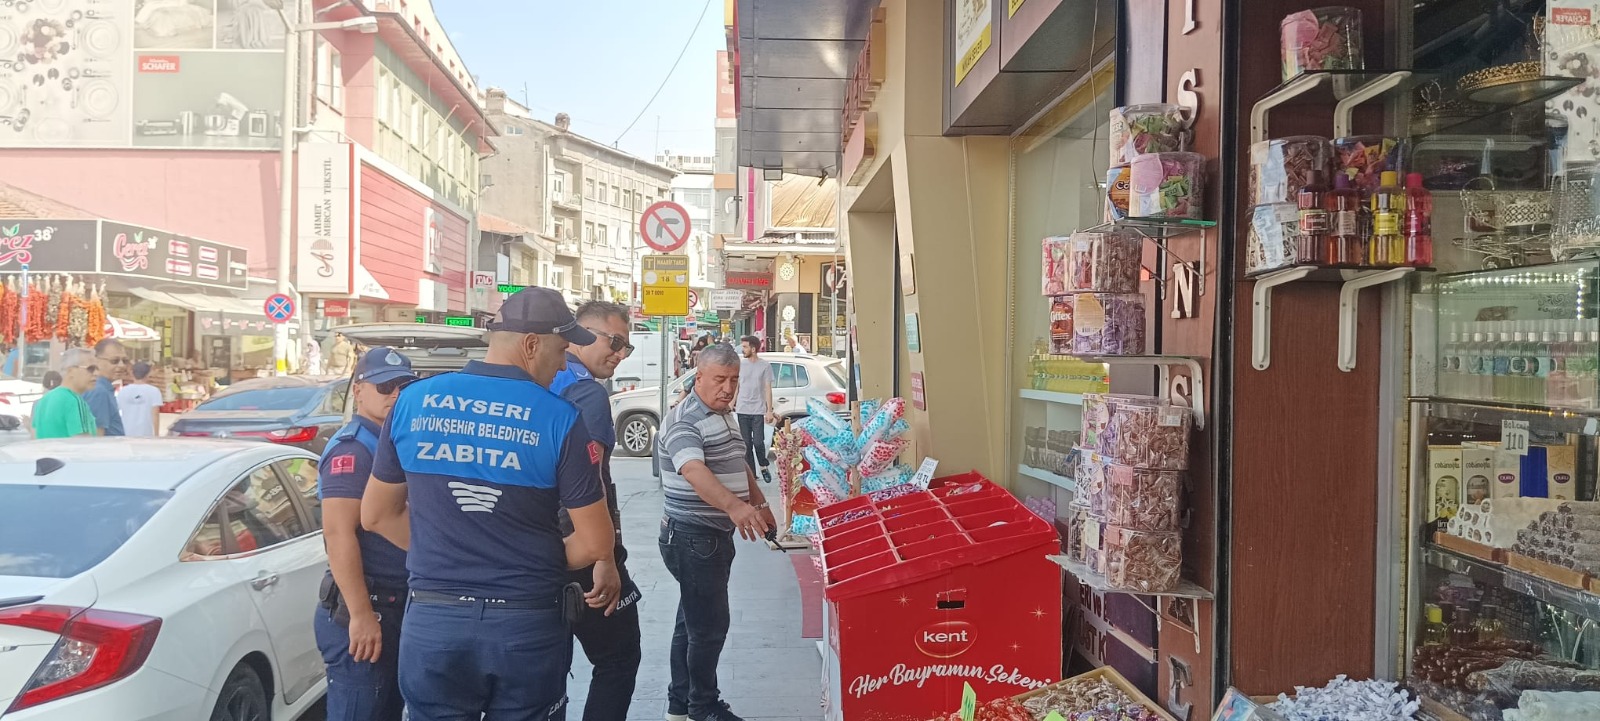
(457, 662)
(361, 691)
(701, 559)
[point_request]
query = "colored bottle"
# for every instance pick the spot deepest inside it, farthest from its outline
(1463, 630)
(1388, 211)
(1489, 627)
(1450, 363)
(1418, 223)
(1313, 236)
(1517, 380)
(1478, 371)
(1345, 246)
(1587, 353)
(1434, 632)
(1556, 392)
(1501, 388)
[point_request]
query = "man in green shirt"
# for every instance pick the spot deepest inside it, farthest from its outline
(62, 413)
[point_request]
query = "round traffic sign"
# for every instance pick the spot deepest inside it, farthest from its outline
(664, 226)
(279, 308)
(694, 299)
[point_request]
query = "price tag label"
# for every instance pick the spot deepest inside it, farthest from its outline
(969, 702)
(924, 474)
(1514, 437)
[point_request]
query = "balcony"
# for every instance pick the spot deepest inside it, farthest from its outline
(569, 248)
(568, 201)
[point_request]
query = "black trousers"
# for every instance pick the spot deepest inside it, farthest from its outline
(754, 430)
(612, 645)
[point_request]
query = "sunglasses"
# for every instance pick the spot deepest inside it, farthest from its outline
(619, 344)
(91, 367)
(389, 387)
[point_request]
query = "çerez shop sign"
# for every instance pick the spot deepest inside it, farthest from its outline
(105, 247)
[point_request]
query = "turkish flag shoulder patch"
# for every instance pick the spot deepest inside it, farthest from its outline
(596, 453)
(342, 464)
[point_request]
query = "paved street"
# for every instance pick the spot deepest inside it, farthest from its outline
(768, 671)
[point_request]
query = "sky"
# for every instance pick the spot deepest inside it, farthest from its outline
(599, 61)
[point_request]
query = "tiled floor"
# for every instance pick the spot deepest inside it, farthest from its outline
(768, 672)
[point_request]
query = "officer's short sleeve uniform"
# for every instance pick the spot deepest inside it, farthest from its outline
(342, 472)
(488, 457)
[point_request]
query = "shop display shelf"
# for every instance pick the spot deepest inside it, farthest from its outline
(1164, 364)
(1054, 479)
(1159, 231)
(1582, 603)
(1066, 399)
(1185, 589)
(1354, 280)
(1489, 413)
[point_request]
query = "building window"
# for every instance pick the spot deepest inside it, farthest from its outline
(588, 188)
(603, 234)
(616, 195)
(588, 232)
(698, 197)
(558, 277)
(558, 185)
(330, 75)
(513, 130)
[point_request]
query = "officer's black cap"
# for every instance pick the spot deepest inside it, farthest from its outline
(383, 364)
(542, 311)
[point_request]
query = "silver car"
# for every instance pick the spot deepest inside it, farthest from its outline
(797, 378)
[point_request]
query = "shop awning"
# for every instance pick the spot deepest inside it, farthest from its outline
(793, 62)
(217, 314)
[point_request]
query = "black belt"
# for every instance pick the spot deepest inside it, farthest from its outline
(446, 599)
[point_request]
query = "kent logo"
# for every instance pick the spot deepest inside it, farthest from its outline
(946, 639)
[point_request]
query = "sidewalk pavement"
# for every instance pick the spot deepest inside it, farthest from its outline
(768, 671)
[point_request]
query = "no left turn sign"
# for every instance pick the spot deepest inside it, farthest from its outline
(664, 226)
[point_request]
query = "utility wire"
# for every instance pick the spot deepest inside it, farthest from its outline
(670, 71)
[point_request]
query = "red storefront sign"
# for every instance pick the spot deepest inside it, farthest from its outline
(336, 309)
(930, 591)
(743, 279)
(405, 236)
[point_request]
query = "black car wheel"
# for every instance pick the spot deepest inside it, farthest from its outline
(636, 435)
(243, 697)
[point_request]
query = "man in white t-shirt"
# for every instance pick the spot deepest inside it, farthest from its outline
(753, 404)
(140, 403)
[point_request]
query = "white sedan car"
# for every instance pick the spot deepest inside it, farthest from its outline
(145, 579)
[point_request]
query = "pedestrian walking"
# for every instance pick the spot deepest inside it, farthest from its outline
(359, 611)
(754, 404)
(111, 363)
(609, 634)
(340, 356)
(313, 358)
(710, 492)
(468, 476)
(139, 403)
(62, 412)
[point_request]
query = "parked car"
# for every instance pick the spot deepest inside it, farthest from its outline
(432, 348)
(797, 378)
(16, 401)
(301, 411)
(158, 578)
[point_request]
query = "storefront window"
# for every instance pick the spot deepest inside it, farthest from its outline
(1058, 166)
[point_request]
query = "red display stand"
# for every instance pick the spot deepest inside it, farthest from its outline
(936, 589)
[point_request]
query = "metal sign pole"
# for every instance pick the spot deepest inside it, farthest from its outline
(661, 392)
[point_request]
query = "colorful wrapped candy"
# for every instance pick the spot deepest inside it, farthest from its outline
(1144, 561)
(1273, 239)
(879, 455)
(819, 414)
(868, 409)
(1167, 185)
(1365, 158)
(1148, 436)
(898, 474)
(1054, 273)
(828, 488)
(1061, 324)
(1105, 262)
(804, 526)
(1142, 498)
(1119, 183)
(1321, 39)
(1108, 324)
(1279, 168)
(1144, 129)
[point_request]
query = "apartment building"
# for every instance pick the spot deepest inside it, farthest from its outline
(580, 195)
(693, 189)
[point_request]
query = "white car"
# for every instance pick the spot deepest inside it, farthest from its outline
(16, 401)
(145, 579)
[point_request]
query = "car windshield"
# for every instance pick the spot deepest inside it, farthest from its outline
(263, 399)
(837, 371)
(62, 531)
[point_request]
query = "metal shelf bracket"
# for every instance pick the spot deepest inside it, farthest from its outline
(1258, 113)
(1261, 313)
(1349, 294)
(1346, 108)
(1197, 400)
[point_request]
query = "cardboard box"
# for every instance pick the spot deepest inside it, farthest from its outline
(1477, 472)
(1535, 480)
(1445, 488)
(1561, 467)
(1507, 474)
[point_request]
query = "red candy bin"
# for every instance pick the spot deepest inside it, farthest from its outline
(932, 590)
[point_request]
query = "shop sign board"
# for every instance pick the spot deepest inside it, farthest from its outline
(149, 253)
(745, 279)
(47, 245)
(919, 397)
(509, 288)
(726, 299)
(336, 309)
(913, 334)
(460, 321)
(481, 279)
(325, 240)
(972, 27)
(859, 139)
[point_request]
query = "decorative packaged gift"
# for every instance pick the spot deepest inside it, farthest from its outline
(1167, 185)
(1145, 561)
(1119, 181)
(1094, 555)
(1106, 262)
(1143, 129)
(1053, 273)
(1061, 324)
(1280, 168)
(1148, 436)
(1321, 39)
(1365, 157)
(1273, 238)
(1145, 499)
(1091, 480)
(1108, 324)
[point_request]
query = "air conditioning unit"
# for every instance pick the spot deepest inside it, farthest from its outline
(485, 180)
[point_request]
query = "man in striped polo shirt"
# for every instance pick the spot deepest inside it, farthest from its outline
(710, 493)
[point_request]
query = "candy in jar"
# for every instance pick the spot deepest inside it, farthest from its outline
(1144, 499)
(1273, 239)
(1091, 481)
(1119, 182)
(1146, 561)
(1365, 157)
(1105, 262)
(1097, 411)
(1108, 324)
(1280, 167)
(1167, 185)
(1054, 272)
(1144, 129)
(1148, 436)
(1061, 324)
(1321, 39)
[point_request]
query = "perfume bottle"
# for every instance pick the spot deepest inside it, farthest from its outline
(1388, 211)
(1489, 627)
(1313, 220)
(1418, 223)
(1434, 632)
(1346, 242)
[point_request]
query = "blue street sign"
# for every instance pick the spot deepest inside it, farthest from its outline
(279, 308)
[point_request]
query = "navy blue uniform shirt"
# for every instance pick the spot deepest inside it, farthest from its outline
(342, 473)
(576, 384)
(488, 457)
(102, 400)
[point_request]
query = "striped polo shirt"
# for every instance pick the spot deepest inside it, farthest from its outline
(694, 432)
